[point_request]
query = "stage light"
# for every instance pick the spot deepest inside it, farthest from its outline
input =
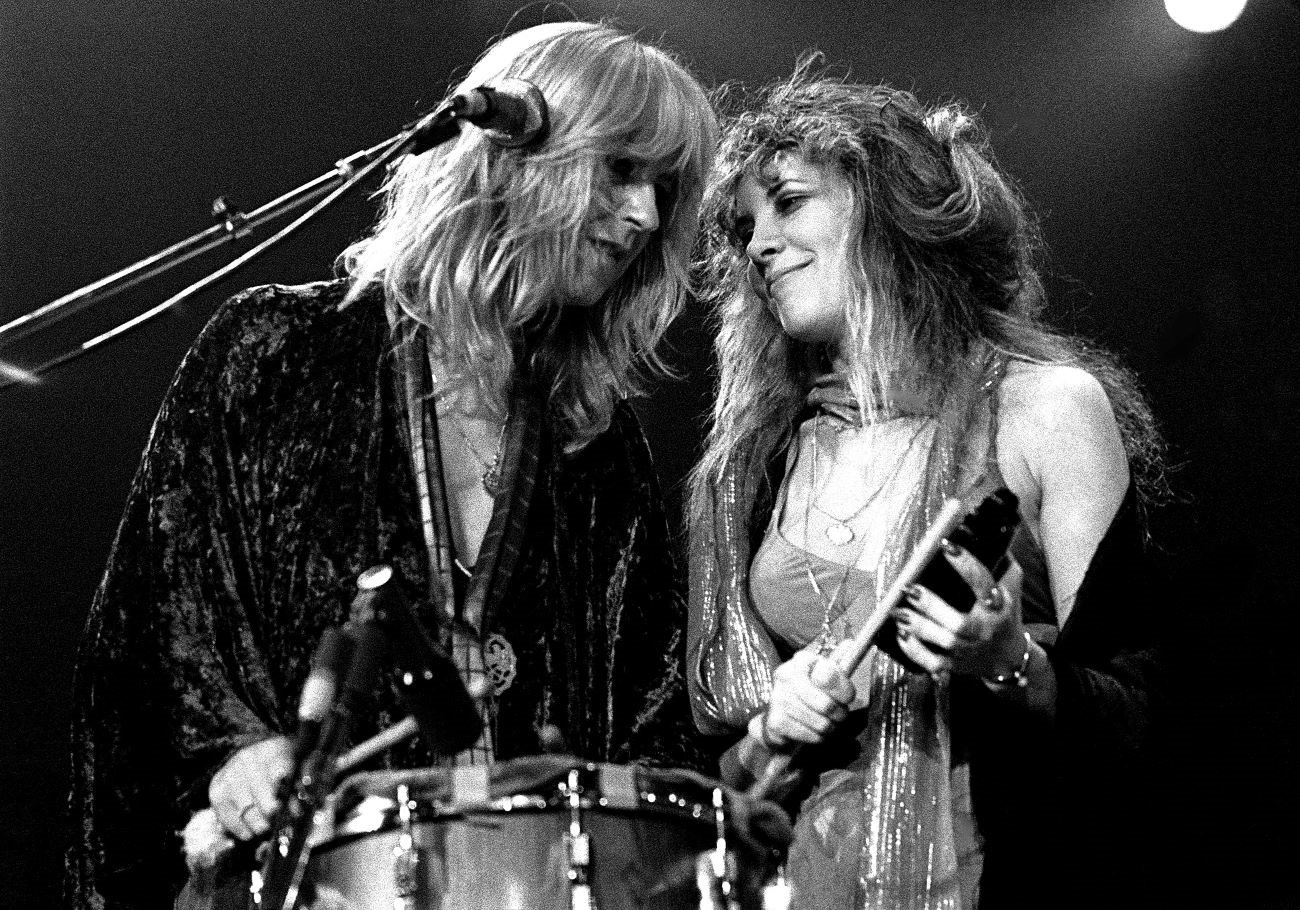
(1205, 15)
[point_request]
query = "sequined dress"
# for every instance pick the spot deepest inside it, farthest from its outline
(937, 793)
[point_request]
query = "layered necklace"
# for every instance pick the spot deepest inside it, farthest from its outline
(839, 533)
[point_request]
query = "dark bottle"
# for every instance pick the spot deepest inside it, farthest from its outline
(985, 532)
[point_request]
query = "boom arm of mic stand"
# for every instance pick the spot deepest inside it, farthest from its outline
(196, 245)
(440, 125)
(18, 375)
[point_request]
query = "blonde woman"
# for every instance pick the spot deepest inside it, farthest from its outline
(456, 406)
(880, 350)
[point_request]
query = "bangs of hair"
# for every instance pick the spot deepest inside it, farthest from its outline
(633, 101)
(630, 100)
(809, 123)
(478, 240)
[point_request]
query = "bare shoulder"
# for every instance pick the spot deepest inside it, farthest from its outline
(1060, 449)
(1057, 432)
(1050, 397)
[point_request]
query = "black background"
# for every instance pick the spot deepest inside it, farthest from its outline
(1164, 165)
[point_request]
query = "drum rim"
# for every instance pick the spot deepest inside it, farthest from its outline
(379, 814)
(603, 787)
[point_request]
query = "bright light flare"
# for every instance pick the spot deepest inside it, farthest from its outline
(15, 373)
(1204, 15)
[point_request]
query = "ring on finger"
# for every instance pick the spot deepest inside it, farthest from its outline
(996, 599)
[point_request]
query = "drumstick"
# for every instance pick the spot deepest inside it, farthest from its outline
(404, 729)
(849, 654)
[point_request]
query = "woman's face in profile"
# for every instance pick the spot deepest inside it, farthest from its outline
(796, 221)
(623, 219)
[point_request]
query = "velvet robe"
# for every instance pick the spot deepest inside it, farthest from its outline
(275, 473)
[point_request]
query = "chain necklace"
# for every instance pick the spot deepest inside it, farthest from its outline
(839, 532)
(491, 470)
(828, 604)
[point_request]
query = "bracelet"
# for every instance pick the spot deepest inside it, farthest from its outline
(1019, 677)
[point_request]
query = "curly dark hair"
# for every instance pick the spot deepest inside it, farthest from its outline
(948, 264)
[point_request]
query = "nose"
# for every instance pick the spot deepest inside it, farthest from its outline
(763, 244)
(638, 206)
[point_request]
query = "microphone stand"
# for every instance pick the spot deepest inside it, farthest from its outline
(285, 867)
(234, 225)
(434, 128)
(427, 679)
(385, 635)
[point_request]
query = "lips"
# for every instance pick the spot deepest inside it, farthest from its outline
(780, 273)
(614, 251)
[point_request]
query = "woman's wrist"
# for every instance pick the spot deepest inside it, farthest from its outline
(758, 729)
(740, 765)
(1032, 681)
(1017, 674)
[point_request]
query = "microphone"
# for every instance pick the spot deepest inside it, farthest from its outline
(511, 112)
(319, 691)
(427, 679)
(284, 868)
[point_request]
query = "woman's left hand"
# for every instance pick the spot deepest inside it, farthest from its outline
(986, 642)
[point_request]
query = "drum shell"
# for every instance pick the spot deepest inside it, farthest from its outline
(518, 861)
(514, 850)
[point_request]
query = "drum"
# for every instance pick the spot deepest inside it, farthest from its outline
(539, 833)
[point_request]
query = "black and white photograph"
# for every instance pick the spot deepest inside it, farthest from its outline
(649, 455)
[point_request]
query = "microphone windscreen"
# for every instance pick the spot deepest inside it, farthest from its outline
(517, 114)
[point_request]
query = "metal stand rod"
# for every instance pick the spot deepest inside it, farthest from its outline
(236, 225)
(440, 122)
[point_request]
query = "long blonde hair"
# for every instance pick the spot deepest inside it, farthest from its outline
(946, 271)
(475, 240)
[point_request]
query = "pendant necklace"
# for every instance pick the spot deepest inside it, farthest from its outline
(840, 531)
(492, 657)
(839, 539)
(491, 470)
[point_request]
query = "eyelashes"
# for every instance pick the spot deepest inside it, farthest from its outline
(741, 230)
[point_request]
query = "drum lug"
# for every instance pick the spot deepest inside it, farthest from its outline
(407, 861)
(577, 847)
(776, 893)
(406, 873)
(715, 870)
(714, 877)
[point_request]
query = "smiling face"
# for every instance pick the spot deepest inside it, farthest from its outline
(796, 221)
(625, 218)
